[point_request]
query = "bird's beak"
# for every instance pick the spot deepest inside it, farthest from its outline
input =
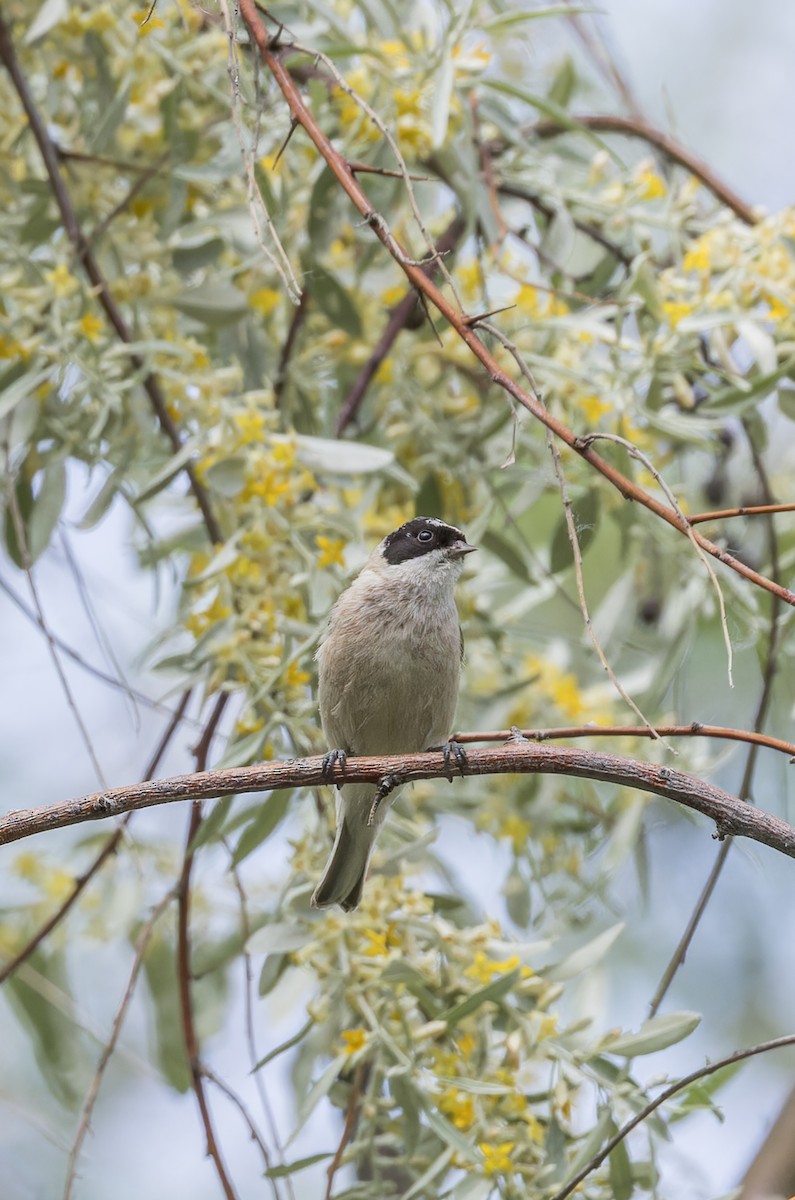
(459, 549)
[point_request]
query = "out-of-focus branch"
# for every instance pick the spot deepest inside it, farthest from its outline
(772, 1173)
(754, 510)
(695, 729)
(673, 150)
(184, 972)
(731, 816)
(398, 319)
(109, 849)
(86, 257)
(464, 327)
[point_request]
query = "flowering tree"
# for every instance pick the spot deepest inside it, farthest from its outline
(277, 287)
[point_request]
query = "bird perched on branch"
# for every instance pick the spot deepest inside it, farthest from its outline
(389, 665)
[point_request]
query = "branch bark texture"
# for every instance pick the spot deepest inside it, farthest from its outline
(732, 817)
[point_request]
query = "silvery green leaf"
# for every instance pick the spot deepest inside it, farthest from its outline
(279, 937)
(51, 13)
(586, 956)
(342, 457)
(655, 1034)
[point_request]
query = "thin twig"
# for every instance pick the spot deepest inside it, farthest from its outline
(730, 815)
(256, 1136)
(299, 316)
(110, 847)
(184, 973)
(694, 729)
(768, 675)
(398, 319)
(576, 553)
(667, 1094)
(634, 452)
(753, 510)
(349, 1126)
(353, 189)
(141, 943)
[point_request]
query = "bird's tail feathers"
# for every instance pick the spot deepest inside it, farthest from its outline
(343, 879)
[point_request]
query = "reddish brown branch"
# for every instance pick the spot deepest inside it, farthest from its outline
(673, 150)
(731, 816)
(695, 729)
(349, 1127)
(754, 510)
(184, 973)
(417, 276)
(86, 257)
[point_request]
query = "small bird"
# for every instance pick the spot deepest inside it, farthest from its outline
(389, 664)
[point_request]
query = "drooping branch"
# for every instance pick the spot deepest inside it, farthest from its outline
(732, 817)
(341, 169)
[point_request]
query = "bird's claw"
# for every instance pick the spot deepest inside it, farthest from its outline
(387, 785)
(329, 761)
(516, 735)
(453, 749)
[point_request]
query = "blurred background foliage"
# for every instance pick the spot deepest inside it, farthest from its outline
(319, 406)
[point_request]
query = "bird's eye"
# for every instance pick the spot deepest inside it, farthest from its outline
(425, 535)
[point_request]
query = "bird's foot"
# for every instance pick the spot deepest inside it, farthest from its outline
(387, 785)
(454, 750)
(516, 735)
(329, 761)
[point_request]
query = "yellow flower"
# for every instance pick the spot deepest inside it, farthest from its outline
(594, 407)
(652, 187)
(376, 947)
(265, 300)
(91, 326)
(458, 1106)
(154, 22)
(331, 551)
(676, 311)
(295, 677)
(392, 295)
(483, 969)
(28, 866)
(517, 829)
(697, 257)
(61, 280)
(353, 1040)
(496, 1159)
(526, 299)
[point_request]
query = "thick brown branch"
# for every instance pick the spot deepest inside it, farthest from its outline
(634, 127)
(345, 177)
(731, 816)
(85, 255)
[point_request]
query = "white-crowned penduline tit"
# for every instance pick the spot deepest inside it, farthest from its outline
(389, 664)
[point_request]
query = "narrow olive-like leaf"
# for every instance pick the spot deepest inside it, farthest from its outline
(333, 300)
(319, 1089)
(342, 457)
(163, 477)
(284, 1046)
(214, 304)
(226, 476)
(47, 508)
(549, 109)
(501, 548)
(586, 515)
(242, 750)
(509, 19)
(410, 977)
(279, 937)
(56, 1043)
(586, 956)
(450, 1135)
(51, 13)
(212, 824)
(16, 385)
(442, 94)
(622, 1184)
(418, 1188)
(272, 970)
(262, 826)
(492, 991)
(655, 1034)
(299, 1165)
